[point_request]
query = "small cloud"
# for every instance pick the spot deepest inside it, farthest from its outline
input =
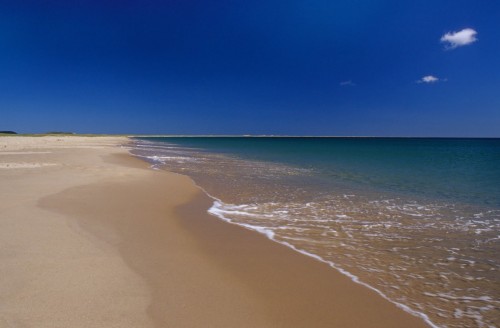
(430, 79)
(458, 39)
(347, 83)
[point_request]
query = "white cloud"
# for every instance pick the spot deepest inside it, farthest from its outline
(347, 83)
(458, 39)
(429, 79)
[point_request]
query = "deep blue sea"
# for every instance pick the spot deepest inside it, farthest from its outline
(416, 219)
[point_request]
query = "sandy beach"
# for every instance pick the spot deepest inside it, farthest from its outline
(91, 236)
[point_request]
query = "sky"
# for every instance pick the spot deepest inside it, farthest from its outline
(345, 67)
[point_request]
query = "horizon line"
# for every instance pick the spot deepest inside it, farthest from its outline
(132, 135)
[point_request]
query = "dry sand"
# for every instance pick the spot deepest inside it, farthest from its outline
(91, 237)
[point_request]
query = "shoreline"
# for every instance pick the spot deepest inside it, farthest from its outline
(355, 279)
(190, 268)
(356, 304)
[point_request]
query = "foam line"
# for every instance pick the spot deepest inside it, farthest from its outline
(216, 211)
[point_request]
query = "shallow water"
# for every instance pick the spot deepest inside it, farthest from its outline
(416, 219)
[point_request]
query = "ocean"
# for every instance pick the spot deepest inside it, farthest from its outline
(415, 219)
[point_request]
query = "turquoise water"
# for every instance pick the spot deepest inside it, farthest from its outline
(417, 220)
(459, 169)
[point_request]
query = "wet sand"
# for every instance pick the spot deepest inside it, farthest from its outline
(92, 237)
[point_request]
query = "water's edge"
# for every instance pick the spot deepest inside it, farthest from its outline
(215, 211)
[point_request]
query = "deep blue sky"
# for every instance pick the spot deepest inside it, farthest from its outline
(249, 67)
